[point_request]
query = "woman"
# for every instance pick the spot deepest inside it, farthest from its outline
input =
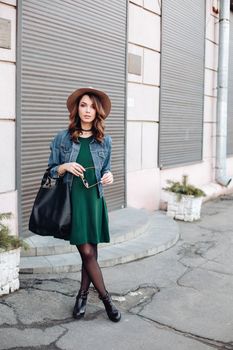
(82, 154)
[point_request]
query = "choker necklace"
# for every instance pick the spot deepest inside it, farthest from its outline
(86, 129)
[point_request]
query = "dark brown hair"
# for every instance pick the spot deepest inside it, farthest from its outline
(98, 123)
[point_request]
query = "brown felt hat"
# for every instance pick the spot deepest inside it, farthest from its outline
(105, 100)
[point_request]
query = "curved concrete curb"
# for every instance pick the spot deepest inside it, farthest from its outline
(161, 234)
(124, 224)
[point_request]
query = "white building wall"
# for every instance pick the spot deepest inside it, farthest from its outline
(144, 179)
(143, 105)
(8, 194)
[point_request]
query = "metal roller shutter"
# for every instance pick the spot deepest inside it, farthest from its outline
(182, 82)
(230, 93)
(63, 45)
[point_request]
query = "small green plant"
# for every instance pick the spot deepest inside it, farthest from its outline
(7, 241)
(183, 188)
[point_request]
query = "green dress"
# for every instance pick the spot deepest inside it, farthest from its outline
(90, 222)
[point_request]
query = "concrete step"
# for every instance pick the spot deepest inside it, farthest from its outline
(124, 224)
(161, 233)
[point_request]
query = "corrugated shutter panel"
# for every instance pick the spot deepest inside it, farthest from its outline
(182, 82)
(230, 93)
(66, 44)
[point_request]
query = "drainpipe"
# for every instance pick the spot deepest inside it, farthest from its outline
(222, 94)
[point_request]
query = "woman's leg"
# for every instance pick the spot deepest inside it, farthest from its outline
(85, 279)
(91, 271)
(81, 299)
(88, 254)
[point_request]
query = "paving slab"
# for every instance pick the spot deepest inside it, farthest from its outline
(130, 333)
(34, 307)
(198, 303)
(203, 314)
(7, 315)
(161, 271)
(29, 338)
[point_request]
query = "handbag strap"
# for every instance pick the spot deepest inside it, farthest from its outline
(46, 179)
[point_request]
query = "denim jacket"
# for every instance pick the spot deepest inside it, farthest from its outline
(64, 150)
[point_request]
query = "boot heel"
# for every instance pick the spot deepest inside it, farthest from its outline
(80, 304)
(113, 313)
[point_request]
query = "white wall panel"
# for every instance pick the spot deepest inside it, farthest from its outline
(9, 12)
(7, 90)
(7, 156)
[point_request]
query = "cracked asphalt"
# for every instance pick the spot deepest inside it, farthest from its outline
(179, 299)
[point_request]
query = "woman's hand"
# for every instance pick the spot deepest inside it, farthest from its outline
(107, 178)
(73, 168)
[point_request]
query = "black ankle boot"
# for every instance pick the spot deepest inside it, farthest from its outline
(80, 304)
(112, 312)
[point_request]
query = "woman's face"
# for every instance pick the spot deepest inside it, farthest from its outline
(86, 110)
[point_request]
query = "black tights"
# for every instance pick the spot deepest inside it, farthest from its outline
(90, 268)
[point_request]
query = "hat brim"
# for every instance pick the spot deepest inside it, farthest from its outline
(105, 100)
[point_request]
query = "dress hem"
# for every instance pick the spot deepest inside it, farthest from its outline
(89, 242)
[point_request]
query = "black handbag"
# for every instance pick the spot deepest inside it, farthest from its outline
(51, 212)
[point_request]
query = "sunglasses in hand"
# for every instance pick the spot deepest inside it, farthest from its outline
(85, 182)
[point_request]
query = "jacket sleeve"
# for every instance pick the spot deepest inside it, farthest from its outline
(54, 158)
(107, 162)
